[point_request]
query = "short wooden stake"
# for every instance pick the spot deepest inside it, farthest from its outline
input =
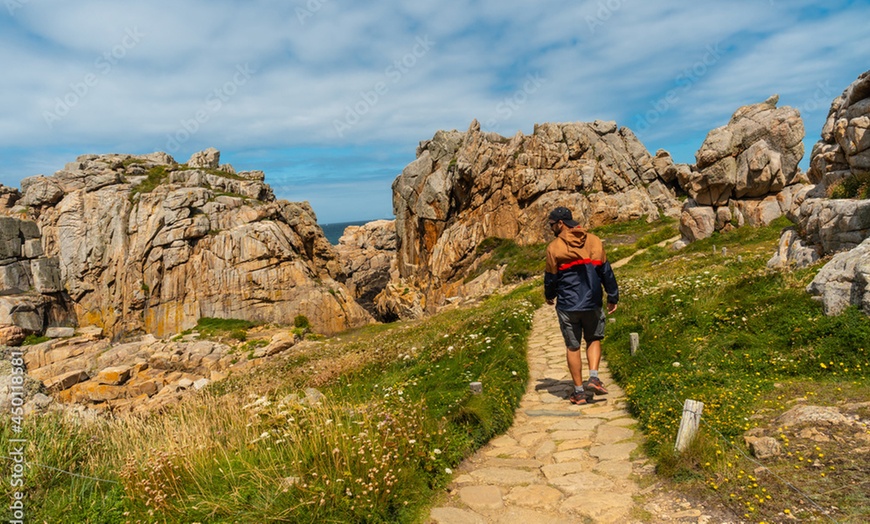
(724, 251)
(476, 387)
(635, 342)
(692, 410)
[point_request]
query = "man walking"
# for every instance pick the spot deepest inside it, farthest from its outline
(576, 270)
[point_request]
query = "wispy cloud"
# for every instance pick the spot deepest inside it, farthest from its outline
(618, 60)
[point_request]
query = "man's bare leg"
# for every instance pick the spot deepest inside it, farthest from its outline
(593, 354)
(575, 365)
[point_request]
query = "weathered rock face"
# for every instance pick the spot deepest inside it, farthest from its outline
(844, 149)
(465, 187)
(746, 172)
(147, 245)
(368, 257)
(844, 281)
(835, 225)
(31, 297)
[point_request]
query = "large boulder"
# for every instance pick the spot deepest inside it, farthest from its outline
(146, 245)
(465, 187)
(844, 281)
(755, 154)
(747, 169)
(368, 257)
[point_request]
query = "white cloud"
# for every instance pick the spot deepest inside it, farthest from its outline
(614, 60)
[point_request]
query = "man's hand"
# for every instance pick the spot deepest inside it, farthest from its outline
(551, 301)
(611, 307)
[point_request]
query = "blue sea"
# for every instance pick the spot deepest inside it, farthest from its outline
(334, 231)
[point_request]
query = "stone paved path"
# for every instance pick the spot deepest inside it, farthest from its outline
(559, 463)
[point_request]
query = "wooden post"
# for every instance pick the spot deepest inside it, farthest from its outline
(635, 342)
(724, 251)
(476, 387)
(692, 410)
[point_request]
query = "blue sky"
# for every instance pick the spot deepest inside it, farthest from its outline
(330, 97)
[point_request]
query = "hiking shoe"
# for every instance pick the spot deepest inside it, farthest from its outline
(581, 398)
(595, 385)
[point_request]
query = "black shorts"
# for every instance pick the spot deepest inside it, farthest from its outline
(586, 324)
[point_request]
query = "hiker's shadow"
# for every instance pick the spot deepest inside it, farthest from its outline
(557, 388)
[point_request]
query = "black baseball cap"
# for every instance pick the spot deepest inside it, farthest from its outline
(564, 215)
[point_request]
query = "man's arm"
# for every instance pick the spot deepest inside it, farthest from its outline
(605, 272)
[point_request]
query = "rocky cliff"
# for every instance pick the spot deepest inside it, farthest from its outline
(467, 186)
(832, 215)
(746, 172)
(147, 245)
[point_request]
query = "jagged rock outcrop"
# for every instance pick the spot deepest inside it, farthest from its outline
(146, 245)
(828, 219)
(844, 281)
(746, 171)
(368, 258)
(465, 187)
(31, 294)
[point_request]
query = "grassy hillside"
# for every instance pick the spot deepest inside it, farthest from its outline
(396, 415)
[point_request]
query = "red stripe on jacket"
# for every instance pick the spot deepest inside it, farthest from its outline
(578, 262)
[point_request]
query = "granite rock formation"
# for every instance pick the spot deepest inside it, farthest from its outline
(829, 221)
(465, 187)
(368, 257)
(146, 245)
(746, 171)
(31, 294)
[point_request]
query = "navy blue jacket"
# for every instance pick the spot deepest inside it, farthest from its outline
(577, 268)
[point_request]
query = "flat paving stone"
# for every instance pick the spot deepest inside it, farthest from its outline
(571, 435)
(608, 434)
(482, 498)
(538, 496)
(510, 452)
(530, 516)
(613, 451)
(505, 476)
(600, 506)
(579, 454)
(553, 471)
(584, 483)
(455, 516)
(583, 424)
(618, 469)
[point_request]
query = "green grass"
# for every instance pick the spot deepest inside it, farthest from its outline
(397, 414)
(522, 262)
(156, 176)
(727, 331)
(856, 185)
(627, 238)
(213, 327)
(32, 339)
